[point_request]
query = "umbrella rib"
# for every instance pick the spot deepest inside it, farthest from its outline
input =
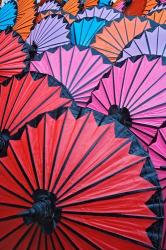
(132, 80)
(116, 235)
(23, 237)
(67, 237)
(83, 158)
(4, 111)
(22, 86)
(97, 182)
(141, 83)
(22, 169)
(32, 238)
(39, 240)
(110, 197)
(13, 205)
(70, 152)
(123, 81)
(116, 215)
(32, 159)
(80, 236)
(59, 240)
(57, 151)
(12, 231)
(16, 180)
(102, 83)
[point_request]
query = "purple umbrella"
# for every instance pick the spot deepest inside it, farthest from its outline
(50, 32)
(49, 5)
(105, 13)
(150, 42)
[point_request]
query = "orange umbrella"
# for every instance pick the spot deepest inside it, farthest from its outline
(139, 8)
(72, 7)
(25, 17)
(158, 16)
(114, 37)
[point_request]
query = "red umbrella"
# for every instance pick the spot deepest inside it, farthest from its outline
(65, 185)
(22, 99)
(13, 54)
(135, 93)
(158, 156)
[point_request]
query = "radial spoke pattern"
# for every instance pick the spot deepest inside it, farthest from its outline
(75, 158)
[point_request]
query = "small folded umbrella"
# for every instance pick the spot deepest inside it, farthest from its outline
(79, 70)
(150, 42)
(159, 16)
(158, 156)
(25, 17)
(135, 94)
(84, 30)
(24, 98)
(48, 8)
(8, 14)
(71, 7)
(105, 13)
(139, 8)
(65, 185)
(52, 31)
(114, 37)
(13, 54)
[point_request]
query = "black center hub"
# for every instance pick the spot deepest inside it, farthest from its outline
(121, 114)
(4, 141)
(43, 211)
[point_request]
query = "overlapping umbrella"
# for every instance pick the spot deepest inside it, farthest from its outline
(14, 55)
(135, 94)
(24, 98)
(55, 187)
(8, 14)
(79, 70)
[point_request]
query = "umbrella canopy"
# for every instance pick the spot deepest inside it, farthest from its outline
(64, 186)
(84, 30)
(78, 69)
(25, 17)
(8, 15)
(135, 94)
(158, 156)
(159, 16)
(24, 98)
(150, 42)
(139, 8)
(13, 54)
(111, 42)
(50, 32)
(105, 13)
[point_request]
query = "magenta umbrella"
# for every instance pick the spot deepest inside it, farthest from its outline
(134, 93)
(80, 70)
(158, 156)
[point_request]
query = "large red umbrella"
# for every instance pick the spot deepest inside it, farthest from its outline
(135, 93)
(158, 156)
(24, 98)
(65, 185)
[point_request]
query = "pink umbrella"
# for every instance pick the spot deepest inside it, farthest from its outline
(158, 156)
(135, 94)
(80, 70)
